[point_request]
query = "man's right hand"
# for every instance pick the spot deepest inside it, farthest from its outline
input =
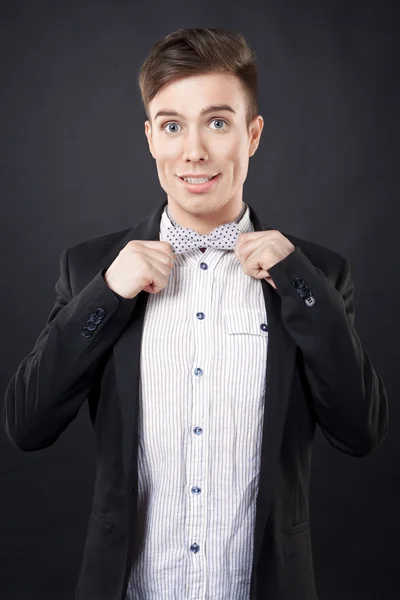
(140, 265)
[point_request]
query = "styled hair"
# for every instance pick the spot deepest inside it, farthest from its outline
(187, 52)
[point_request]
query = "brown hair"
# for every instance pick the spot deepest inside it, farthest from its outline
(188, 52)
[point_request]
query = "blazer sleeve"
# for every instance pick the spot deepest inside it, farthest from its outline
(51, 383)
(348, 395)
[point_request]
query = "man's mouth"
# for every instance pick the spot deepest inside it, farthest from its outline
(198, 185)
(198, 179)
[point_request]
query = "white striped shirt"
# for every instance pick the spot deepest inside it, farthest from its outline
(202, 390)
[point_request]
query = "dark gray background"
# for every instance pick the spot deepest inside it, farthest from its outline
(75, 165)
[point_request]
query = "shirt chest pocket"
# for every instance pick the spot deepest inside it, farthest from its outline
(245, 333)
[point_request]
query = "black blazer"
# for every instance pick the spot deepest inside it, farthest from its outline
(317, 373)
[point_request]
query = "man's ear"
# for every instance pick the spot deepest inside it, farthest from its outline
(255, 130)
(148, 133)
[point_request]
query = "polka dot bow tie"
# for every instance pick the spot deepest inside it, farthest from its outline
(183, 239)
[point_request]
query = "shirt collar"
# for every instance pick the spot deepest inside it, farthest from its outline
(243, 220)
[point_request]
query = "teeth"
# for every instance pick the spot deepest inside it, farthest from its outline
(196, 180)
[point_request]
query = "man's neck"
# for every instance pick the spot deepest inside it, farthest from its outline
(202, 226)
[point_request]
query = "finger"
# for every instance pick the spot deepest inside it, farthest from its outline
(247, 235)
(155, 253)
(246, 247)
(154, 244)
(258, 273)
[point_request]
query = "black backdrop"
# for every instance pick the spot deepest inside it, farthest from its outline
(75, 165)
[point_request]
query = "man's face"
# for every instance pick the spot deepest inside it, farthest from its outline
(214, 143)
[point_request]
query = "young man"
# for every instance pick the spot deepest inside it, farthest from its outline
(209, 346)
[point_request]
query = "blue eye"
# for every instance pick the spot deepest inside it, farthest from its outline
(221, 120)
(174, 123)
(167, 125)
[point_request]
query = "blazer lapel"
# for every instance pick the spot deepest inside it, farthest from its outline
(280, 365)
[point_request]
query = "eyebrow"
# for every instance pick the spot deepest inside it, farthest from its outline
(209, 109)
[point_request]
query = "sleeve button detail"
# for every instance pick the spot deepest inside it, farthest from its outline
(94, 319)
(85, 332)
(299, 283)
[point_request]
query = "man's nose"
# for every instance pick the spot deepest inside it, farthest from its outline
(194, 148)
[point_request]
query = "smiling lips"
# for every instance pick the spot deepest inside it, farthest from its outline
(197, 176)
(200, 187)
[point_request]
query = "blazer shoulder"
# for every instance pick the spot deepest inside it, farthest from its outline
(98, 250)
(89, 256)
(316, 249)
(329, 261)
(101, 244)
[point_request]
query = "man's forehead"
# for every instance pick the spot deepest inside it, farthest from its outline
(223, 94)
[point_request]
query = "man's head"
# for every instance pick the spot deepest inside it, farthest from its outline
(187, 72)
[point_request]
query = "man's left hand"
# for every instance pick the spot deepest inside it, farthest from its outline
(258, 251)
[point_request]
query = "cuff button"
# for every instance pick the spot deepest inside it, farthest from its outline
(310, 301)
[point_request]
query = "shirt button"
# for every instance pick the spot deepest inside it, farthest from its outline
(196, 490)
(203, 266)
(198, 430)
(195, 548)
(200, 315)
(198, 371)
(264, 326)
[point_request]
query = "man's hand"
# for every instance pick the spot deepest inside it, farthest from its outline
(140, 265)
(258, 251)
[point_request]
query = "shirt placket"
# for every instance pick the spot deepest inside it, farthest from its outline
(197, 465)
